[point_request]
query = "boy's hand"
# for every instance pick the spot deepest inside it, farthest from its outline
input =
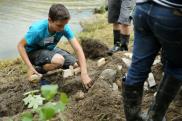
(33, 75)
(86, 81)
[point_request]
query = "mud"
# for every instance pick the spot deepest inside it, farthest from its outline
(93, 48)
(100, 103)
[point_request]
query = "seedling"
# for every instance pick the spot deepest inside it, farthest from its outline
(48, 110)
(49, 91)
(32, 100)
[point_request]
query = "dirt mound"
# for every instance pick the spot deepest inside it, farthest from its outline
(100, 103)
(93, 48)
(11, 95)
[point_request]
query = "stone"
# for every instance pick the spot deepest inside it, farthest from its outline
(114, 87)
(127, 54)
(119, 67)
(101, 62)
(146, 86)
(118, 82)
(108, 75)
(151, 80)
(127, 61)
(156, 61)
(77, 70)
(79, 95)
(71, 67)
(67, 73)
(35, 77)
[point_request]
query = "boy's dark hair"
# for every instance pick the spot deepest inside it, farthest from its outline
(58, 12)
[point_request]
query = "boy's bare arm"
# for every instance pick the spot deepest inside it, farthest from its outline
(24, 56)
(82, 62)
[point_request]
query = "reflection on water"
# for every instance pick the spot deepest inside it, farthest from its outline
(17, 15)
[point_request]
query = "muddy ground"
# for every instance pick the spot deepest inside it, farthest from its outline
(100, 103)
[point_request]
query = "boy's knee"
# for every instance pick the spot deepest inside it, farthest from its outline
(58, 59)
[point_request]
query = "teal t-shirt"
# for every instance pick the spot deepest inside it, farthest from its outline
(38, 36)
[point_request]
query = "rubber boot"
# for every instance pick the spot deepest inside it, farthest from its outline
(132, 99)
(167, 90)
(117, 43)
(124, 42)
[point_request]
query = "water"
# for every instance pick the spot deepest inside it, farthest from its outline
(17, 15)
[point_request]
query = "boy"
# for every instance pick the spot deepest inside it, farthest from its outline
(38, 47)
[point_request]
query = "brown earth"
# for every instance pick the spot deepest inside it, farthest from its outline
(100, 103)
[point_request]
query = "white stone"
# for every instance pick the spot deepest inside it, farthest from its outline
(156, 61)
(146, 85)
(101, 62)
(119, 67)
(151, 80)
(77, 70)
(67, 73)
(71, 67)
(126, 61)
(128, 54)
(79, 95)
(114, 87)
(118, 82)
(35, 77)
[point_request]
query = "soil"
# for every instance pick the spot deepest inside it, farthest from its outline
(93, 48)
(100, 103)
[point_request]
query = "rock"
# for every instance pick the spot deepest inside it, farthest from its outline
(67, 73)
(151, 80)
(146, 86)
(114, 87)
(118, 82)
(126, 61)
(101, 62)
(71, 67)
(128, 54)
(108, 75)
(77, 70)
(119, 67)
(156, 61)
(35, 78)
(79, 95)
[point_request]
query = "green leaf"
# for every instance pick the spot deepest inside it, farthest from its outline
(49, 91)
(60, 107)
(47, 112)
(64, 98)
(27, 117)
(33, 101)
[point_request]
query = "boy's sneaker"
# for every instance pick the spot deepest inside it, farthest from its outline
(40, 70)
(44, 82)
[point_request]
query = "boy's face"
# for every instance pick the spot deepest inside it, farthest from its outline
(57, 26)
